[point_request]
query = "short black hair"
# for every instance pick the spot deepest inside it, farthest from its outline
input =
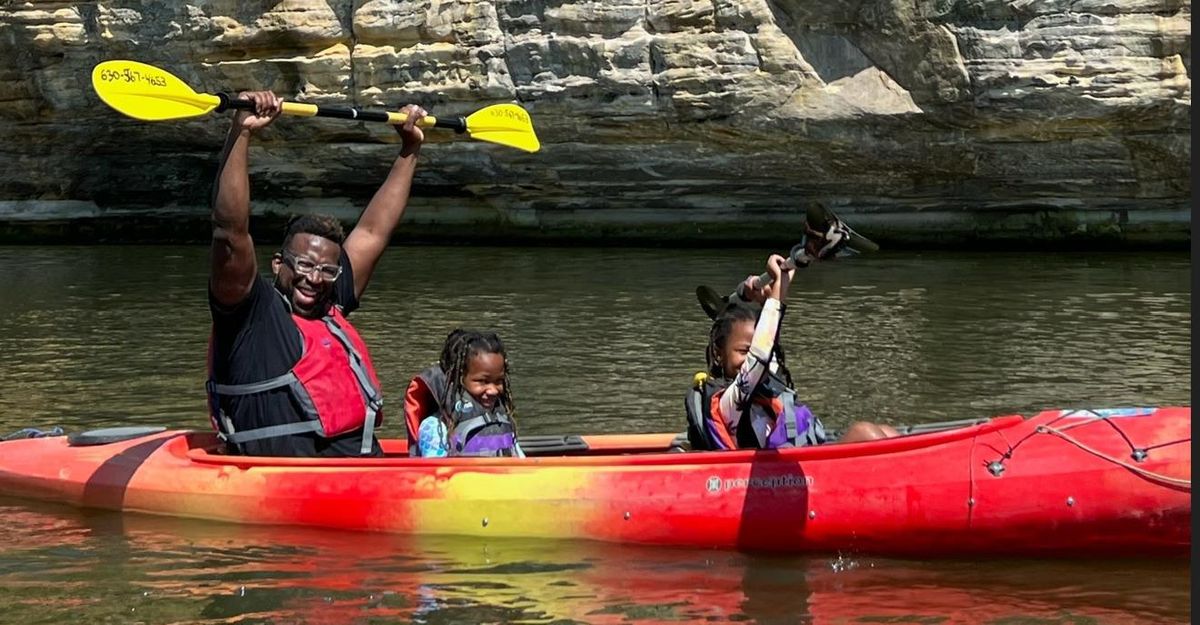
(324, 226)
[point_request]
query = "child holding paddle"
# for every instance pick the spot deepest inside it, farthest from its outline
(473, 410)
(746, 398)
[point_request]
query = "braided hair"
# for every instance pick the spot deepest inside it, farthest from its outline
(722, 326)
(461, 346)
(451, 346)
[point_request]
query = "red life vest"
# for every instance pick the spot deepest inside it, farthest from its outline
(334, 383)
(421, 399)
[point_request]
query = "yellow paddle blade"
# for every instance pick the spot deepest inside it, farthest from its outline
(148, 93)
(506, 124)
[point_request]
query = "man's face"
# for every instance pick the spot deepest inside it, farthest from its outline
(308, 291)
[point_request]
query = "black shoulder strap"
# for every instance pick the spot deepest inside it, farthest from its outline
(435, 380)
(698, 404)
(696, 433)
(746, 437)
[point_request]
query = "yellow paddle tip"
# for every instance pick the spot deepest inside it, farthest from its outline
(505, 124)
(148, 93)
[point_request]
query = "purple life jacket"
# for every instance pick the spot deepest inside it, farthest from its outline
(476, 432)
(785, 432)
(479, 432)
(792, 425)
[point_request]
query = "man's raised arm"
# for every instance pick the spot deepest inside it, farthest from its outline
(233, 264)
(370, 236)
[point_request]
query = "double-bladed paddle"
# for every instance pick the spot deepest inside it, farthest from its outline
(828, 235)
(148, 93)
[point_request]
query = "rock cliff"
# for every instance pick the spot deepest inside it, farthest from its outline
(919, 120)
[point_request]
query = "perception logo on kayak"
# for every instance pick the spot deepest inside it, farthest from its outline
(773, 482)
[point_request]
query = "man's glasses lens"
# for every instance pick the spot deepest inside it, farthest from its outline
(307, 267)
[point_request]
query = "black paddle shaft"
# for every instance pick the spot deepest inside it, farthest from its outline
(457, 124)
(798, 257)
(713, 303)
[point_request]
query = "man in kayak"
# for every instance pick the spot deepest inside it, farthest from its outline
(289, 375)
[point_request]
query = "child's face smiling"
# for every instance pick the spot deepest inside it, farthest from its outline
(484, 379)
(737, 346)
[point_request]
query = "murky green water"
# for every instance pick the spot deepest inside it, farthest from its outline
(601, 341)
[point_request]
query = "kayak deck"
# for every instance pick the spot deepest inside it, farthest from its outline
(599, 449)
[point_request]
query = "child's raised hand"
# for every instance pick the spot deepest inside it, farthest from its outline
(751, 291)
(782, 277)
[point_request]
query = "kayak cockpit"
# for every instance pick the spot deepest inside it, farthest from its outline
(605, 449)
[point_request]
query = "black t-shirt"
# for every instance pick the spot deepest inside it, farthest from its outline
(256, 341)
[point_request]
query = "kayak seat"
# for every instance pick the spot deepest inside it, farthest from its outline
(112, 435)
(575, 445)
(922, 428)
(553, 445)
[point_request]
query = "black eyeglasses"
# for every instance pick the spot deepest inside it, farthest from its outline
(306, 267)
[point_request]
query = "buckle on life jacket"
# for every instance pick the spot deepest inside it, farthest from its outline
(772, 386)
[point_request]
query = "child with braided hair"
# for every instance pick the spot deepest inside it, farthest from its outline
(474, 400)
(424, 393)
(746, 399)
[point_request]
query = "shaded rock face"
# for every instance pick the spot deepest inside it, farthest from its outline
(943, 120)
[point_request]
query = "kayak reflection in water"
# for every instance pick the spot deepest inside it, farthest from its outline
(289, 375)
(746, 399)
(463, 406)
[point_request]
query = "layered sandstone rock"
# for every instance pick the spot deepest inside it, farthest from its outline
(926, 119)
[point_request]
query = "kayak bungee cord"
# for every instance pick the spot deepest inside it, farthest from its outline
(1150, 475)
(996, 467)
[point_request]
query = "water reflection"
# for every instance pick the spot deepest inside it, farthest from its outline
(60, 565)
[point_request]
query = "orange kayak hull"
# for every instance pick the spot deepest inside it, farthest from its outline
(1059, 483)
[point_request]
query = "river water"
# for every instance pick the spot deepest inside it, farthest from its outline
(600, 340)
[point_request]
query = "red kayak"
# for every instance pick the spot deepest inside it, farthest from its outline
(1062, 482)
